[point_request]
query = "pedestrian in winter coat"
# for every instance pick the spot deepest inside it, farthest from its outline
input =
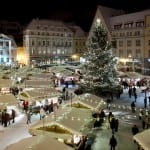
(135, 97)
(133, 107)
(112, 124)
(116, 125)
(145, 102)
(113, 143)
(28, 117)
(135, 129)
(13, 115)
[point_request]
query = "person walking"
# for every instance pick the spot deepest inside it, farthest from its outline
(133, 107)
(135, 129)
(113, 142)
(135, 97)
(145, 102)
(28, 117)
(42, 113)
(13, 115)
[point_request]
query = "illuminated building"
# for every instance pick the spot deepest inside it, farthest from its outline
(7, 50)
(48, 41)
(129, 34)
(22, 57)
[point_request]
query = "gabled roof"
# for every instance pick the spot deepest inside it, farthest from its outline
(142, 139)
(104, 14)
(4, 37)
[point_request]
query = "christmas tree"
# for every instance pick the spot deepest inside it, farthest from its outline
(99, 69)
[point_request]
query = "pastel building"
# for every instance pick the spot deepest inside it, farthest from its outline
(130, 36)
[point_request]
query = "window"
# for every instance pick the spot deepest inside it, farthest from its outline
(7, 59)
(1, 52)
(140, 24)
(7, 43)
(118, 26)
(149, 42)
(129, 43)
(1, 43)
(114, 44)
(128, 52)
(138, 43)
(120, 53)
(138, 53)
(2, 60)
(47, 43)
(137, 33)
(128, 25)
(149, 53)
(44, 51)
(120, 43)
(43, 43)
(32, 44)
(58, 51)
(39, 43)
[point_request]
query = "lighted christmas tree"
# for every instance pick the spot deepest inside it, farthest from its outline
(99, 69)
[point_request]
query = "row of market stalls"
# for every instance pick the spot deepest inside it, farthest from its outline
(74, 118)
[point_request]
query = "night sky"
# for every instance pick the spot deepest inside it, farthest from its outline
(80, 12)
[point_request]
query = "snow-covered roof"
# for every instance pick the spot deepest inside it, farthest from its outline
(4, 37)
(45, 24)
(38, 143)
(142, 139)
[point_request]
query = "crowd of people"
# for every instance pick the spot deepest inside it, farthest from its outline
(7, 117)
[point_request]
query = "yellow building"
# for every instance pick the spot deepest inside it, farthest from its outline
(22, 57)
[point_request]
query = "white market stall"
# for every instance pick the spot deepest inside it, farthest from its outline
(39, 143)
(142, 139)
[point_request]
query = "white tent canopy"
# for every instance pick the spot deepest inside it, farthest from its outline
(143, 139)
(39, 143)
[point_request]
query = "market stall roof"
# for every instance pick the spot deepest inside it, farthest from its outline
(41, 76)
(91, 101)
(5, 83)
(142, 139)
(74, 120)
(7, 100)
(129, 75)
(39, 142)
(61, 70)
(37, 83)
(38, 93)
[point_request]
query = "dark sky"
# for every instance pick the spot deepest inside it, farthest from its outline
(80, 12)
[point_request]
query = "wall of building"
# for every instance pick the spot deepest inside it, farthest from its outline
(48, 41)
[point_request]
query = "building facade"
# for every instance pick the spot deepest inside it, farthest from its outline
(8, 50)
(48, 41)
(130, 36)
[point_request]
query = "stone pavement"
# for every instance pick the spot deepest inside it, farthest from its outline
(19, 130)
(121, 109)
